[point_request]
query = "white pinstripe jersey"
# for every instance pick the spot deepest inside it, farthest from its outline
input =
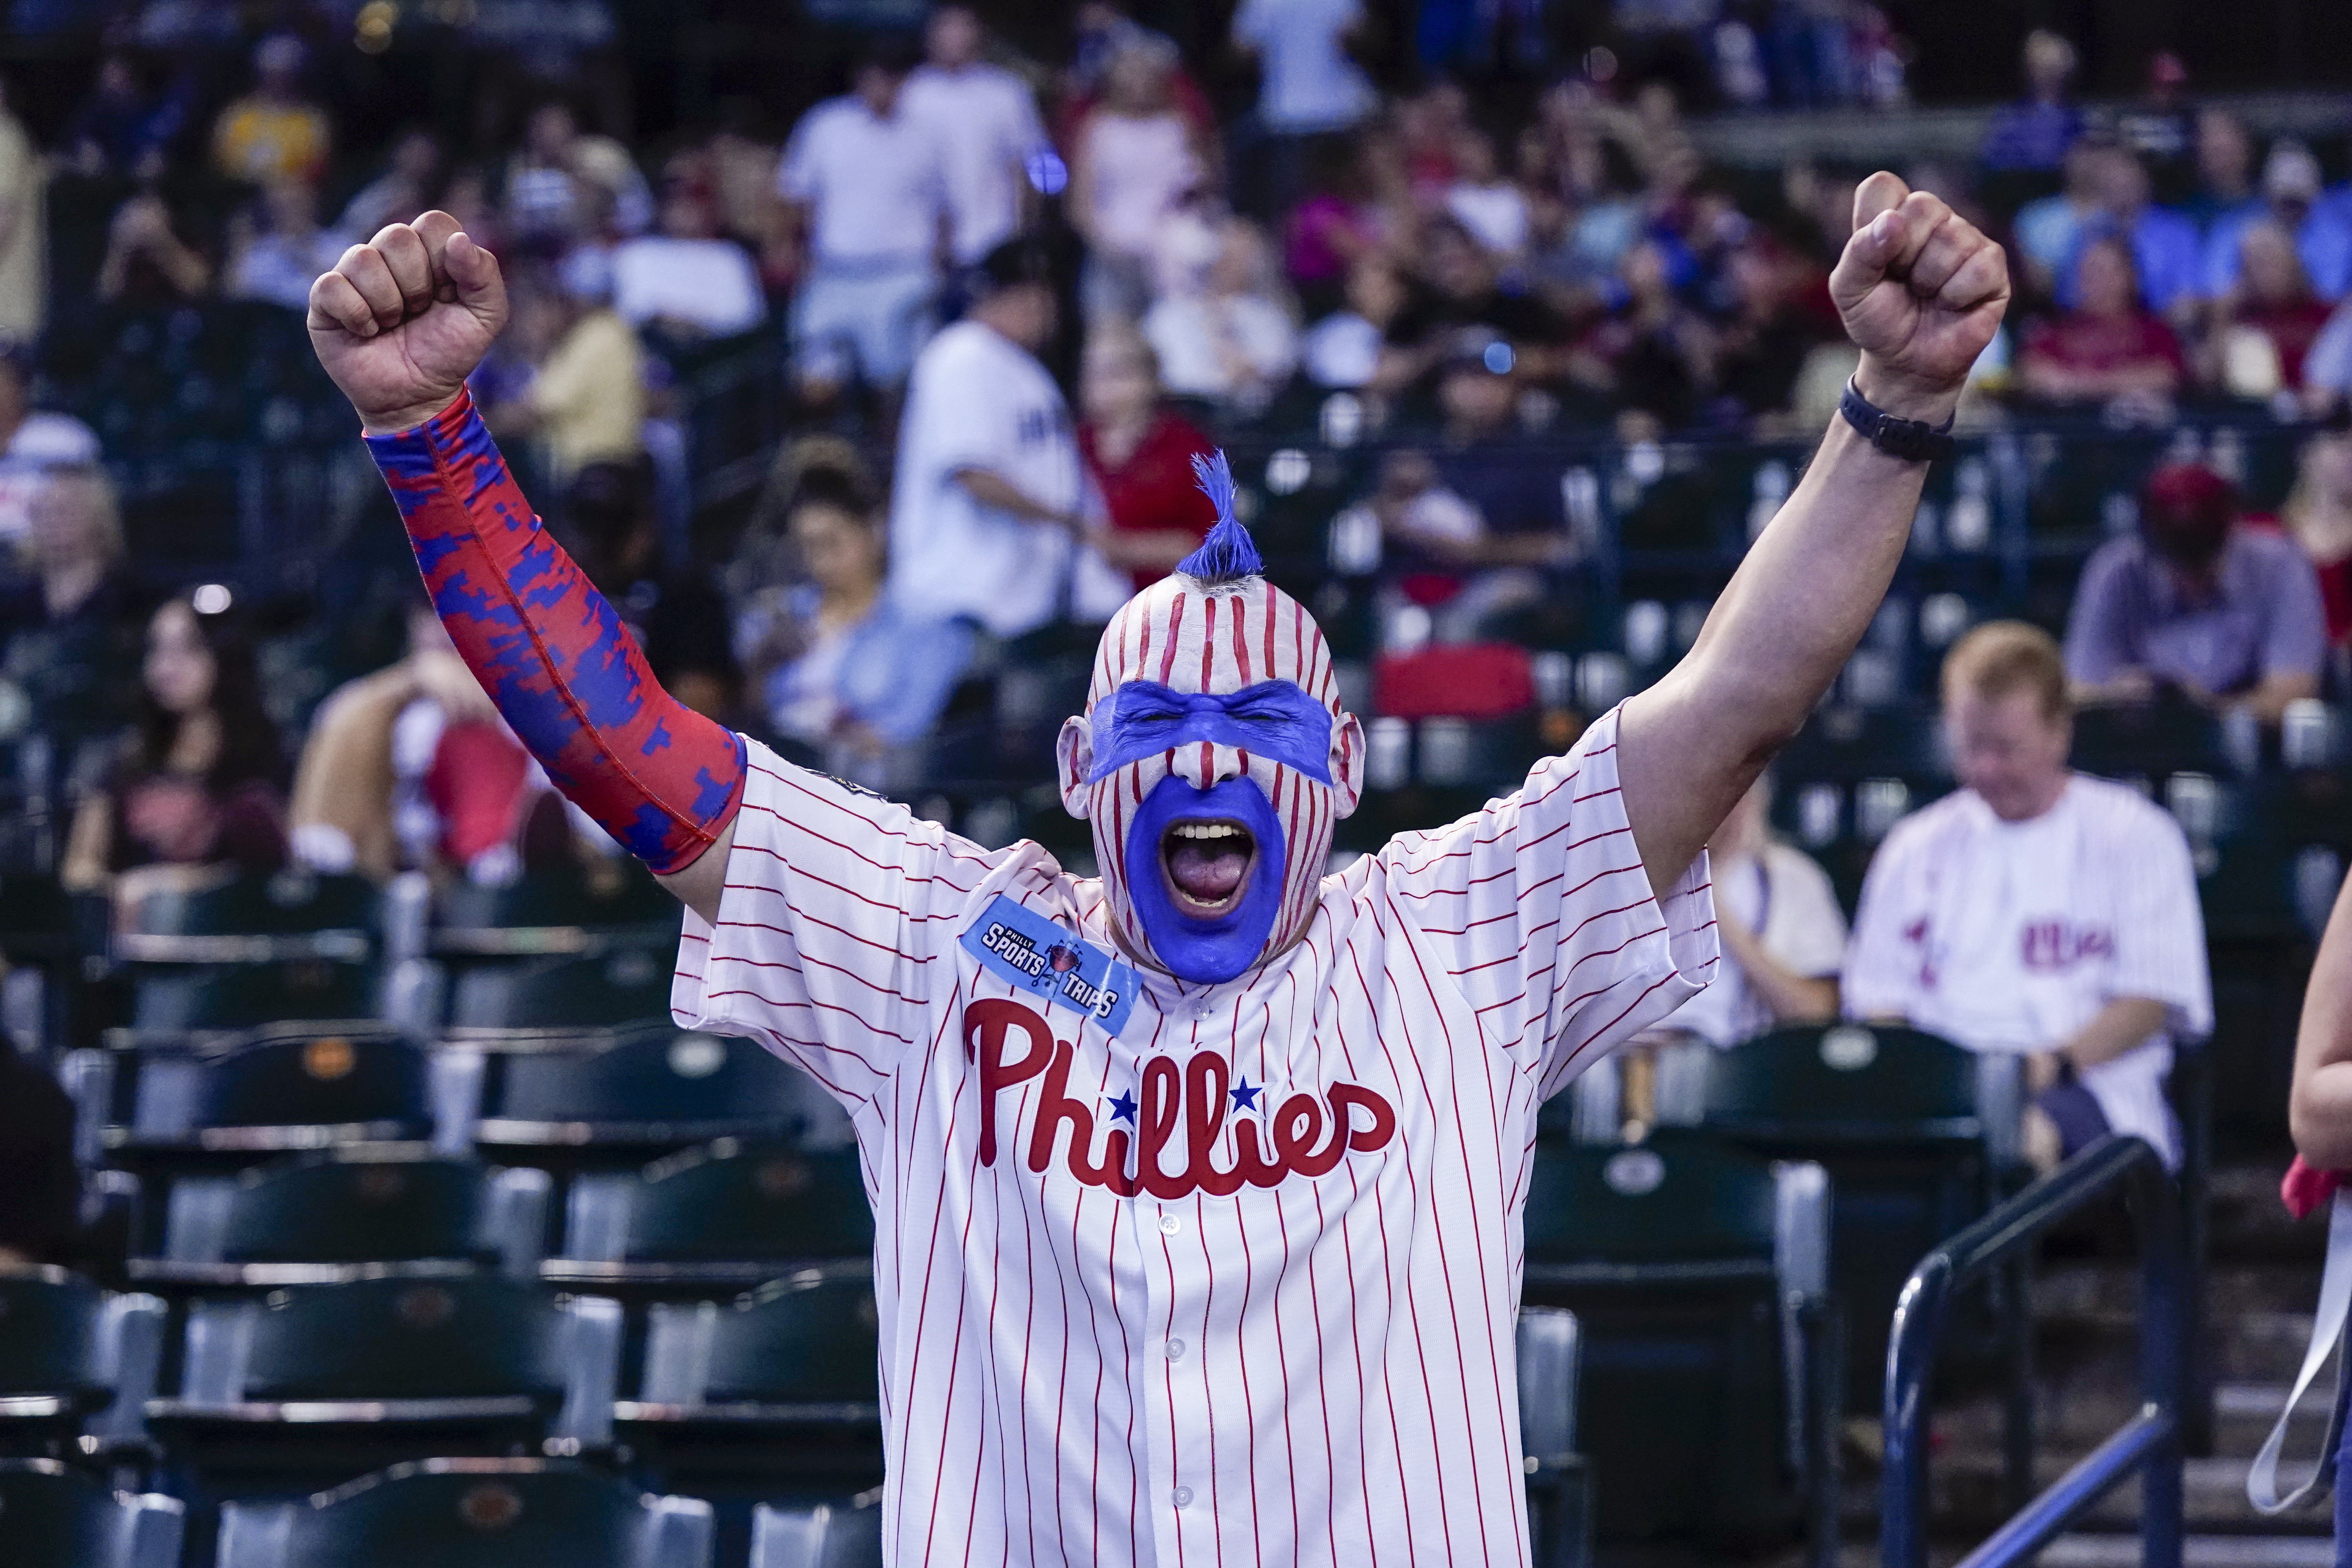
(1287, 1335)
(2012, 935)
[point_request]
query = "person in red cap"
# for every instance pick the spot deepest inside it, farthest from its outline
(2228, 615)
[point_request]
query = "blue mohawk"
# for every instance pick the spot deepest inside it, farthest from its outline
(1227, 555)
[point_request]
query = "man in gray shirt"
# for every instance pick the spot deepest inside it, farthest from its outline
(2229, 616)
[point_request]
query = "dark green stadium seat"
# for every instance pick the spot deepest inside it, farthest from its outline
(264, 1091)
(629, 985)
(1915, 1133)
(75, 1361)
(638, 1093)
(472, 1513)
(314, 1217)
(776, 1387)
(169, 999)
(320, 914)
(51, 1517)
(1698, 1276)
(727, 1216)
(333, 1380)
(550, 912)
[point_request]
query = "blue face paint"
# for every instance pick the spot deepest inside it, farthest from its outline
(1206, 953)
(1274, 719)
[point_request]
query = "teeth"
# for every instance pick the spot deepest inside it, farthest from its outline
(1206, 830)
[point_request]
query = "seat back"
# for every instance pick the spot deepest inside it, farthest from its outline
(472, 1513)
(806, 1340)
(548, 903)
(819, 1535)
(182, 998)
(1670, 1254)
(1843, 1077)
(1549, 1343)
(361, 1204)
(51, 1517)
(52, 1339)
(477, 1336)
(357, 1083)
(294, 904)
(627, 985)
(727, 1200)
(629, 1085)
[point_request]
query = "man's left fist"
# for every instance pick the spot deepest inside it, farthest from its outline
(1921, 291)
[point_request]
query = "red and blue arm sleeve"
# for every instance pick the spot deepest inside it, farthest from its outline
(549, 649)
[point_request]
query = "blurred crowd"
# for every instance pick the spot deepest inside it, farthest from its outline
(1010, 300)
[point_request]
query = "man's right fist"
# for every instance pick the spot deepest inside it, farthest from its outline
(403, 320)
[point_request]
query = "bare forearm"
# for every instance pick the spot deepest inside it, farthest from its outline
(990, 488)
(1799, 604)
(1791, 997)
(2268, 700)
(2119, 1026)
(2319, 1113)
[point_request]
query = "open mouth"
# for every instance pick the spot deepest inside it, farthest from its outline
(1207, 864)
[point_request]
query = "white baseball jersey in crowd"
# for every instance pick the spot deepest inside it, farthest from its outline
(1181, 1275)
(2010, 936)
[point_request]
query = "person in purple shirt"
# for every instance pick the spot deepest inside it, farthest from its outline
(2229, 616)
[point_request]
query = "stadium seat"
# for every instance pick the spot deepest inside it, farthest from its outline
(776, 1386)
(728, 1216)
(550, 913)
(318, 1218)
(1559, 1485)
(638, 1094)
(818, 1535)
(75, 1361)
(257, 950)
(340, 1379)
(472, 1513)
(51, 1517)
(1699, 1277)
(628, 984)
(1917, 1133)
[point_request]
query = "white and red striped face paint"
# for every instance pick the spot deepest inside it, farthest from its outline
(1219, 639)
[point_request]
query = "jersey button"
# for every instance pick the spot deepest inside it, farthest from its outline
(1182, 1496)
(1170, 1225)
(1175, 1350)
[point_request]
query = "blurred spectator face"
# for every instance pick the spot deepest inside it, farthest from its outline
(1475, 161)
(1240, 264)
(2123, 186)
(72, 523)
(415, 156)
(2267, 263)
(2291, 181)
(1453, 262)
(2327, 465)
(878, 85)
(1478, 403)
(2006, 746)
(550, 132)
(1375, 291)
(117, 80)
(278, 64)
(2049, 64)
(2225, 154)
(1025, 312)
(841, 551)
(2186, 512)
(1758, 278)
(2086, 163)
(1137, 82)
(1116, 385)
(2108, 279)
(179, 668)
(688, 213)
(952, 38)
(1645, 271)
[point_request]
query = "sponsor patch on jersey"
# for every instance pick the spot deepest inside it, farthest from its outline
(1038, 958)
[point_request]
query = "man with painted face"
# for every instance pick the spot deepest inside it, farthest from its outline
(1198, 1184)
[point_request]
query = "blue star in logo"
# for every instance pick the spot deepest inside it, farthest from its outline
(1123, 1108)
(1245, 1094)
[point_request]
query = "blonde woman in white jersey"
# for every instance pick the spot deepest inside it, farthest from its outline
(2037, 910)
(1197, 1184)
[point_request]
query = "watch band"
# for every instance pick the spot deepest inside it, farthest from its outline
(1912, 440)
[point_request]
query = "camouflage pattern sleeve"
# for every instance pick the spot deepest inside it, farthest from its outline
(551, 653)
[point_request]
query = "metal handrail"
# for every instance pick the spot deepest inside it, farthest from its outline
(2148, 1443)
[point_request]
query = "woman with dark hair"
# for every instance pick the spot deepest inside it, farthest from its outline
(2111, 345)
(199, 785)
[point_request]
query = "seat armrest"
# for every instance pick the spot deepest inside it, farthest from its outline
(592, 1360)
(130, 1339)
(154, 1524)
(681, 1529)
(519, 1219)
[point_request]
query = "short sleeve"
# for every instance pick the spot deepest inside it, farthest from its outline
(2295, 623)
(1882, 961)
(1544, 917)
(2159, 933)
(2095, 650)
(835, 929)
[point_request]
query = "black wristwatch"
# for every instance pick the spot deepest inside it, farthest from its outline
(1912, 440)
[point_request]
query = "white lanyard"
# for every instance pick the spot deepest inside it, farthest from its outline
(2326, 1329)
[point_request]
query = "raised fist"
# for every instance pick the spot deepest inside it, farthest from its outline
(403, 320)
(1921, 291)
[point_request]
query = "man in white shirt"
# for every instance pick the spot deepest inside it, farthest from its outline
(866, 183)
(2037, 910)
(990, 497)
(1310, 91)
(985, 119)
(688, 277)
